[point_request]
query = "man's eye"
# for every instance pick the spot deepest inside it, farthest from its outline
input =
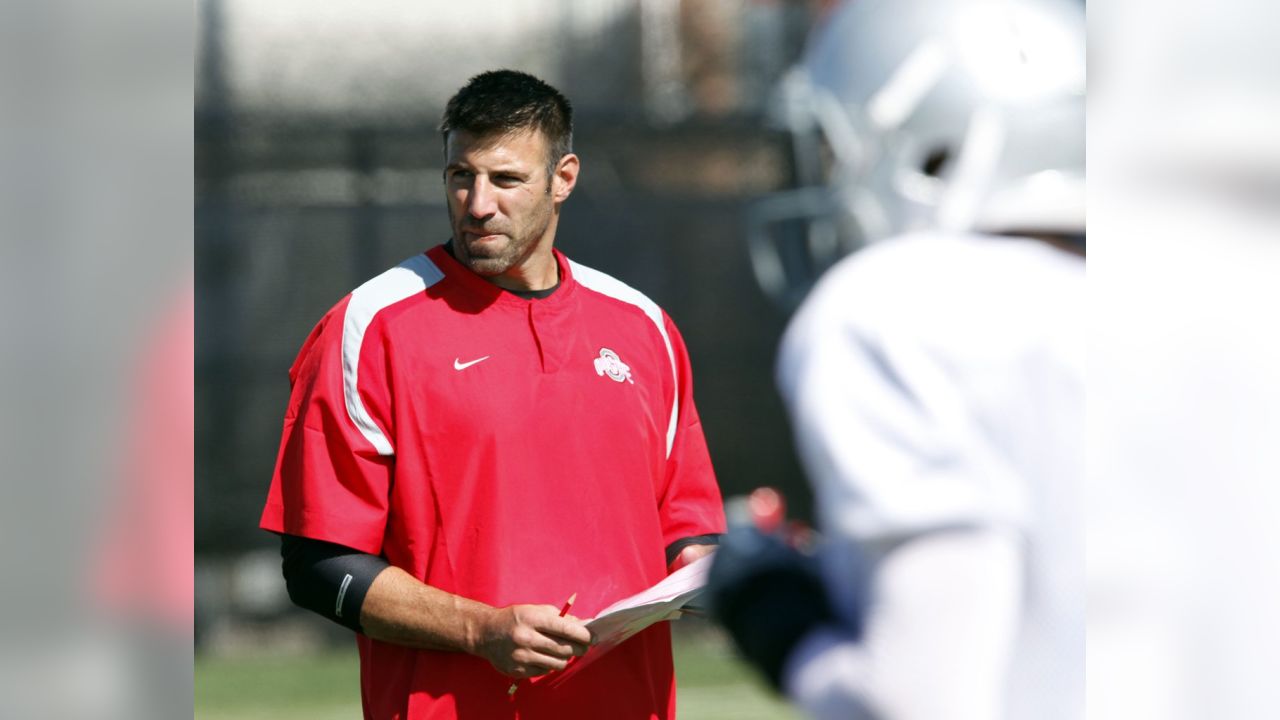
(459, 175)
(508, 180)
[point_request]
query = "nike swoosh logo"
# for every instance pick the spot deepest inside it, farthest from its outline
(464, 365)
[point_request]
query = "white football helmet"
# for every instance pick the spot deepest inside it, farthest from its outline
(960, 115)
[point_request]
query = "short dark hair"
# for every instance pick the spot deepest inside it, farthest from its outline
(504, 101)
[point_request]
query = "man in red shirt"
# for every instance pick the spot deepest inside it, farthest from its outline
(486, 429)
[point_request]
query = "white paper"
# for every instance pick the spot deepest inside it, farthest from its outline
(621, 620)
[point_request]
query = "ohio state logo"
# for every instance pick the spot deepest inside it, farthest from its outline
(610, 364)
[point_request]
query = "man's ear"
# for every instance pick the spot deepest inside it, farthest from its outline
(564, 178)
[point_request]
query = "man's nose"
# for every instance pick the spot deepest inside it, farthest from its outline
(483, 201)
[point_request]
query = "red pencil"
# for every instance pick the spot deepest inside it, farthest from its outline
(568, 604)
(563, 611)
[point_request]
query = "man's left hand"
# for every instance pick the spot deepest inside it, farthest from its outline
(688, 554)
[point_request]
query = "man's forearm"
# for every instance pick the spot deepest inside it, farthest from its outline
(401, 609)
(518, 640)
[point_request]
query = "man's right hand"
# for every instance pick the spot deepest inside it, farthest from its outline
(524, 641)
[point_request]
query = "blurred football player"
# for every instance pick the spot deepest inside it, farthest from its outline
(934, 377)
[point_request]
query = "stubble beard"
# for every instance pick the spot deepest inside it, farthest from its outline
(489, 261)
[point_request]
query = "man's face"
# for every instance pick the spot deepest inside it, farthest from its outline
(501, 203)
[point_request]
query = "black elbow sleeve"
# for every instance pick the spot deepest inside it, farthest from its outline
(673, 550)
(330, 580)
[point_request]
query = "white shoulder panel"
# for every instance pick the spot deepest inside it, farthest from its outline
(614, 288)
(404, 280)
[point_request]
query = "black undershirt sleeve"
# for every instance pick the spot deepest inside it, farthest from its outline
(673, 550)
(330, 580)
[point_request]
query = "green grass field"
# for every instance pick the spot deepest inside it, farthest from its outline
(713, 685)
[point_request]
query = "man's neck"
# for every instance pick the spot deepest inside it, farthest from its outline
(538, 272)
(537, 277)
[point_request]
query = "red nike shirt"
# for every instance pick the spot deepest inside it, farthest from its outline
(506, 450)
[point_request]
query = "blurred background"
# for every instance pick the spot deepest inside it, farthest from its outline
(318, 165)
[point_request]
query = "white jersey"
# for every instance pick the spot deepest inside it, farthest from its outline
(936, 387)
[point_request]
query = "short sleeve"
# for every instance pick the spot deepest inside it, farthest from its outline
(333, 472)
(883, 428)
(691, 504)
